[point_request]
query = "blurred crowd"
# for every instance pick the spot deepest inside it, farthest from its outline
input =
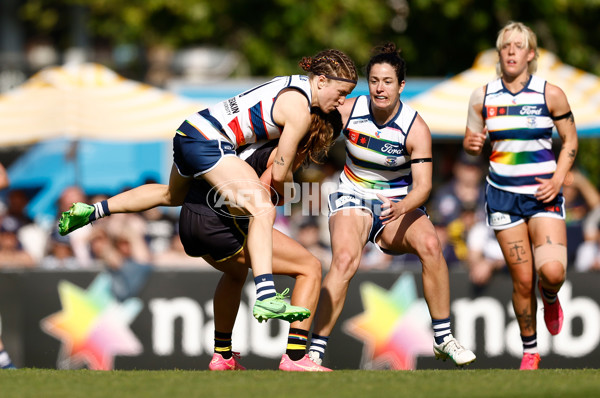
(130, 245)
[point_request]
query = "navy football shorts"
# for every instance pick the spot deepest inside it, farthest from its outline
(507, 209)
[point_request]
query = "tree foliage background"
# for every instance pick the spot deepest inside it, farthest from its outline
(437, 37)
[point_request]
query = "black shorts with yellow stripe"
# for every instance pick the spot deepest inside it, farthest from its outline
(204, 231)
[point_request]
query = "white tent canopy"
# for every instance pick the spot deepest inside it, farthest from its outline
(444, 107)
(88, 101)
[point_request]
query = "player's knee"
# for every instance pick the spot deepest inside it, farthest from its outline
(428, 246)
(263, 212)
(553, 274)
(345, 263)
(312, 268)
(523, 286)
(551, 263)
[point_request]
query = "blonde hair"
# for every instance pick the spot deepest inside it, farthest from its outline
(530, 43)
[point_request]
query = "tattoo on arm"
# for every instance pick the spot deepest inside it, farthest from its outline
(280, 162)
(571, 119)
(572, 153)
(548, 241)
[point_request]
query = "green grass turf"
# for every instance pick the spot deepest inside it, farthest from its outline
(40, 383)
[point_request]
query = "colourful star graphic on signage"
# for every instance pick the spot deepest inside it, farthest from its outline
(93, 326)
(395, 326)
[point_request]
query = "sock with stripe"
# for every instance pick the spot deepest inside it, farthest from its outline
(549, 297)
(265, 287)
(441, 329)
(100, 210)
(296, 346)
(223, 344)
(318, 344)
(529, 344)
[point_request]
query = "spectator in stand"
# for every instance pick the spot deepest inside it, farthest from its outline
(121, 248)
(580, 198)
(464, 190)
(176, 257)
(79, 240)
(484, 256)
(588, 253)
(12, 254)
(59, 253)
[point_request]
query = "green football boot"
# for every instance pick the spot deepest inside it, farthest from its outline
(76, 217)
(276, 308)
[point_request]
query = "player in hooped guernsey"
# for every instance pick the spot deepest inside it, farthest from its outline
(524, 202)
(386, 180)
(248, 117)
(520, 128)
(377, 160)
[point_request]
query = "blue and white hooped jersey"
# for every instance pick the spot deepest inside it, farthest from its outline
(377, 160)
(247, 117)
(520, 129)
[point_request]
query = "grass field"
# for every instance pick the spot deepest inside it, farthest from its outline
(41, 383)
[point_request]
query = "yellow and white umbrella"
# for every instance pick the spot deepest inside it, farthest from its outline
(444, 106)
(88, 101)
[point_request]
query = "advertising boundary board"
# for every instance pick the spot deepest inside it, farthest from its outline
(69, 320)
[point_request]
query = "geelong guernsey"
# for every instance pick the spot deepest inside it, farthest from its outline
(248, 117)
(520, 129)
(377, 160)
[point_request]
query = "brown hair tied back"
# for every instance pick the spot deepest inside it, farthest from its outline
(388, 54)
(305, 63)
(330, 63)
(324, 129)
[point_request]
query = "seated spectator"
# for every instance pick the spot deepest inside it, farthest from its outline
(308, 235)
(464, 190)
(484, 254)
(176, 257)
(581, 197)
(118, 244)
(12, 254)
(160, 230)
(79, 239)
(588, 253)
(59, 253)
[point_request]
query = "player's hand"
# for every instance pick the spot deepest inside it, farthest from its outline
(389, 210)
(548, 189)
(473, 142)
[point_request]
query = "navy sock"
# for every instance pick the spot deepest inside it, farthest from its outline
(529, 344)
(318, 344)
(100, 210)
(441, 329)
(265, 287)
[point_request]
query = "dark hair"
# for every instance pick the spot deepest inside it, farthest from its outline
(388, 54)
(324, 130)
(330, 63)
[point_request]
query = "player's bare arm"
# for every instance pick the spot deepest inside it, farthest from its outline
(475, 132)
(559, 108)
(292, 112)
(418, 145)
